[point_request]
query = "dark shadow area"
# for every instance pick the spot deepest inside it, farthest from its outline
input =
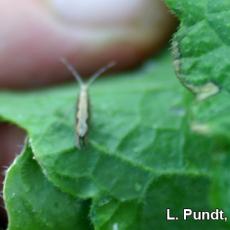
(3, 219)
(11, 143)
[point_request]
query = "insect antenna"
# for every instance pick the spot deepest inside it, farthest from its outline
(100, 71)
(77, 76)
(74, 72)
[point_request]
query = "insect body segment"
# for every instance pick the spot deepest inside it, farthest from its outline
(82, 113)
(82, 116)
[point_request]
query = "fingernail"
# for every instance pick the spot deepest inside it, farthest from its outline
(66, 10)
(94, 11)
(79, 11)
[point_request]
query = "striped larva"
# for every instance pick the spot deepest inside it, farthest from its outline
(83, 105)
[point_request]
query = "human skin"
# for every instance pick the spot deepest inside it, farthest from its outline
(35, 34)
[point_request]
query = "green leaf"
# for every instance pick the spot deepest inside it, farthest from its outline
(202, 45)
(211, 117)
(141, 157)
(33, 203)
(201, 49)
(174, 191)
(114, 143)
